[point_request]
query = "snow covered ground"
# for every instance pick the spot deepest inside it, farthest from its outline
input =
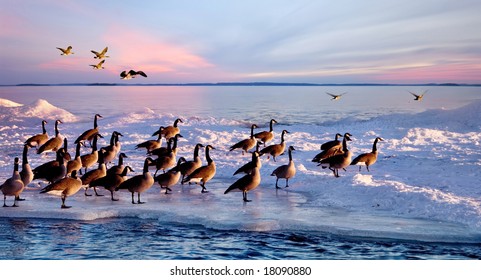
(424, 186)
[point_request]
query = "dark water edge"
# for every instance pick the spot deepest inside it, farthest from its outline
(147, 239)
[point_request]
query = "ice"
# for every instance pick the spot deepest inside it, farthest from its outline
(424, 185)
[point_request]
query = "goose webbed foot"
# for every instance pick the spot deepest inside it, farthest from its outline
(65, 206)
(17, 198)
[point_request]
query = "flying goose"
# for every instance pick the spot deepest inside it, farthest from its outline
(111, 181)
(170, 131)
(341, 160)
(418, 97)
(367, 159)
(39, 139)
(89, 134)
(286, 171)
(26, 173)
(150, 145)
(13, 186)
(275, 149)
(52, 171)
(119, 168)
(52, 144)
(329, 149)
(101, 54)
(266, 136)
(248, 182)
(248, 167)
(76, 163)
(138, 183)
(93, 174)
(246, 144)
(98, 66)
(131, 74)
(65, 187)
(67, 51)
(188, 167)
(171, 177)
(204, 173)
(90, 159)
(335, 96)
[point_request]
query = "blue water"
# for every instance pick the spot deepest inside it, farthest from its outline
(141, 239)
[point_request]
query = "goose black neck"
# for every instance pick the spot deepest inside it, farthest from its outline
(196, 151)
(77, 150)
(282, 136)
(56, 129)
(95, 121)
(175, 143)
(252, 131)
(44, 131)
(24, 154)
(344, 144)
(270, 125)
(146, 166)
(207, 155)
(176, 122)
(124, 172)
(94, 144)
(374, 146)
(112, 139)
(121, 159)
(65, 144)
(15, 165)
(290, 154)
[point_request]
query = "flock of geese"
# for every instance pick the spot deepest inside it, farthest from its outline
(124, 75)
(67, 175)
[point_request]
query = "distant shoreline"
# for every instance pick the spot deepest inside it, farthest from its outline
(241, 84)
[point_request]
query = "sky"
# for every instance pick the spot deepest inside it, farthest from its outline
(317, 41)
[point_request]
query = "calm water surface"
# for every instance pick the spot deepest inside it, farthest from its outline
(129, 238)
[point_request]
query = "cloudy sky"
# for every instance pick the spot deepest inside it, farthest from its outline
(344, 41)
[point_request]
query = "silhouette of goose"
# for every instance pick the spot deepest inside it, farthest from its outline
(418, 97)
(101, 54)
(131, 74)
(98, 65)
(335, 96)
(67, 51)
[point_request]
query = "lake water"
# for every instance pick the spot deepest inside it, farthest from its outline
(400, 210)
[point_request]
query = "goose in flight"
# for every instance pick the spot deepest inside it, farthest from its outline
(101, 54)
(131, 74)
(98, 65)
(335, 96)
(418, 97)
(67, 51)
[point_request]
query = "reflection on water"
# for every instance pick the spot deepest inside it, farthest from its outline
(307, 105)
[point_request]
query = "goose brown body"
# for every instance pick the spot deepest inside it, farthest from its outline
(111, 181)
(246, 144)
(367, 159)
(286, 171)
(65, 187)
(248, 182)
(38, 139)
(13, 186)
(339, 161)
(275, 149)
(266, 136)
(139, 183)
(204, 173)
(89, 133)
(52, 144)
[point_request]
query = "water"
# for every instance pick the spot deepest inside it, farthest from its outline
(394, 212)
(124, 239)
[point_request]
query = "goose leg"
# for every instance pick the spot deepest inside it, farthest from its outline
(63, 203)
(277, 187)
(4, 199)
(112, 196)
(204, 190)
(367, 167)
(244, 197)
(133, 202)
(14, 203)
(287, 182)
(17, 198)
(96, 194)
(86, 194)
(138, 199)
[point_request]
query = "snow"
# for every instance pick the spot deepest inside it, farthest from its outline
(424, 186)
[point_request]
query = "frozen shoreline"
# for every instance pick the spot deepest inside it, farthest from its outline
(423, 187)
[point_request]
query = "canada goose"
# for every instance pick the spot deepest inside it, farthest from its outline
(66, 154)
(188, 167)
(90, 159)
(100, 172)
(131, 74)
(150, 145)
(335, 96)
(52, 171)
(204, 173)
(248, 182)
(89, 134)
(76, 163)
(138, 183)
(285, 171)
(26, 173)
(65, 187)
(418, 97)
(52, 144)
(98, 66)
(167, 160)
(275, 149)
(266, 136)
(171, 147)
(101, 54)
(367, 159)
(67, 51)
(248, 167)
(119, 168)
(339, 161)
(171, 177)
(170, 131)
(39, 139)
(329, 149)
(111, 151)
(13, 185)
(111, 181)
(246, 144)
